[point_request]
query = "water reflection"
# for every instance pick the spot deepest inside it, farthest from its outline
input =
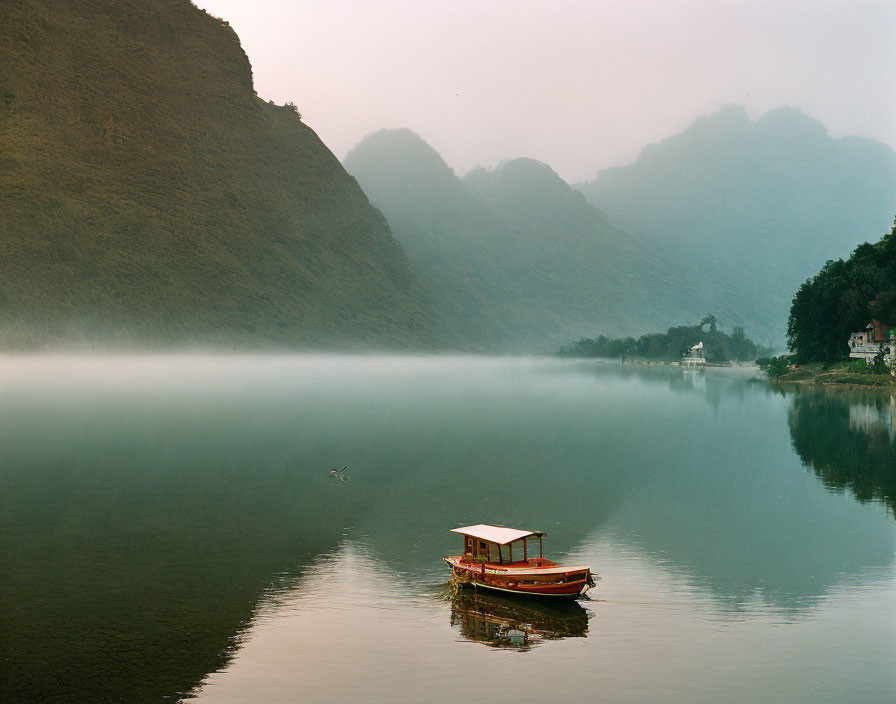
(693, 380)
(515, 622)
(139, 522)
(849, 440)
(147, 506)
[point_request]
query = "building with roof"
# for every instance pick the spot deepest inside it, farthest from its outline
(873, 340)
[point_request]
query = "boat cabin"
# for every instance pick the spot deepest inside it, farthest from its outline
(495, 544)
(498, 558)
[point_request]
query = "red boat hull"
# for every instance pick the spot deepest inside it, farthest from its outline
(535, 577)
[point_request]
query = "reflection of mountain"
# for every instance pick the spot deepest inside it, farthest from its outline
(142, 519)
(704, 479)
(848, 439)
(137, 535)
(720, 502)
(515, 622)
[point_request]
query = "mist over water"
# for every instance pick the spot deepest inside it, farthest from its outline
(169, 525)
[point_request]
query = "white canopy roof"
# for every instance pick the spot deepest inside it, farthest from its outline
(497, 534)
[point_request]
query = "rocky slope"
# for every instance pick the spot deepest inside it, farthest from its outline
(148, 197)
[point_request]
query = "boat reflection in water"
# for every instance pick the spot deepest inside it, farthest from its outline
(514, 621)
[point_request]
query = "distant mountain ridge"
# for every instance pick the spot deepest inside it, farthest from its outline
(518, 258)
(148, 197)
(754, 206)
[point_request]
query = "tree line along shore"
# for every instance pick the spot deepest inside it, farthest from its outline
(842, 324)
(841, 329)
(718, 347)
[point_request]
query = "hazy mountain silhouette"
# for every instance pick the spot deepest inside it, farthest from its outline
(756, 207)
(148, 196)
(517, 257)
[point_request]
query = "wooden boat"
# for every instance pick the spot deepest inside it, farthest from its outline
(488, 562)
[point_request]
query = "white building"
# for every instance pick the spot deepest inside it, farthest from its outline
(871, 341)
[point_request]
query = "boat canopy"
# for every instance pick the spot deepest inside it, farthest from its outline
(498, 534)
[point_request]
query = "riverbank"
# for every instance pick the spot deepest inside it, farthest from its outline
(644, 361)
(705, 365)
(836, 374)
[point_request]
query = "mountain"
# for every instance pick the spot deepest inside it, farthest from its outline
(148, 197)
(754, 206)
(518, 259)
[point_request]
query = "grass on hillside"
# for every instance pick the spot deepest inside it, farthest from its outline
(845, 372)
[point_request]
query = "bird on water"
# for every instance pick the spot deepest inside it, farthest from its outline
(339, 473)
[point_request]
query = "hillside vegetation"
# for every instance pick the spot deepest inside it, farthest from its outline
(149, 197)
(670, 346)
(518, 259)
(841, 299)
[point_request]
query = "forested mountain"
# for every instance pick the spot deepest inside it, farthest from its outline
(754, 207)
(841, 299)
(519, 259)
(149, 197)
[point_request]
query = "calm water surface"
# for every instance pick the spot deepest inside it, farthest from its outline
(169, 531)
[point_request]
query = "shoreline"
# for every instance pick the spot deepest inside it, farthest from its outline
(811, 375)
(816, 375)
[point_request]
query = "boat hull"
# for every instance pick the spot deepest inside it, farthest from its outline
(550, 581)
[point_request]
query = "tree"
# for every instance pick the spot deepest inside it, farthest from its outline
(778, 366)
(883, 308)
(835, 302)
(670, 346)
(878, 365)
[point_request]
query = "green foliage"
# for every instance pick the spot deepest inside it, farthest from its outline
(883, 308)
(860, 457)
(709, 320)
(778, 366)
(838, 301)
(671, 345)
(866, 378)
(148, 197)
(878, 365)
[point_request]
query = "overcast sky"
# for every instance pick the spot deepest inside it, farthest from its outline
(578, 84)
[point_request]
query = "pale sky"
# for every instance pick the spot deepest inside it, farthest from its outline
(579, 85)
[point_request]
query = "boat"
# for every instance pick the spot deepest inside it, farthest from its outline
(487, 562)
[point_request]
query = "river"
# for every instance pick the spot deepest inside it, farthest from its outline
(170, 530)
